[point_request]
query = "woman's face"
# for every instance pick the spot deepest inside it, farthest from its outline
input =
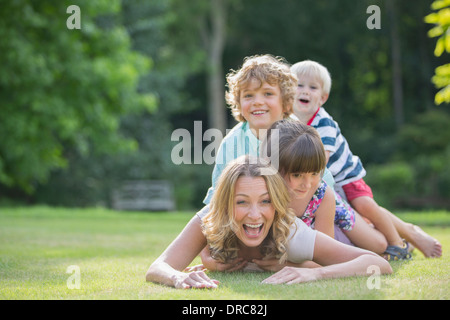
(253, 210)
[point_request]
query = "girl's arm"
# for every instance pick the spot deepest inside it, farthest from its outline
(325, 213)
(180, 253)
(339, 260)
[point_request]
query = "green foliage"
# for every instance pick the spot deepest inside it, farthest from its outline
(441, 79)
(441, 20)
(390, 182)
(427, 135)
(63, 89)
(419, 175)
(69, 96)
(152, 27)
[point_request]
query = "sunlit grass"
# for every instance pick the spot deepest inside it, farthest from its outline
(114, 249)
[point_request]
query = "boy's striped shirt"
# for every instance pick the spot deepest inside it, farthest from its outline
(344, 166)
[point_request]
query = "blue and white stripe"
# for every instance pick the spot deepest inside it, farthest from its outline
(344, 166)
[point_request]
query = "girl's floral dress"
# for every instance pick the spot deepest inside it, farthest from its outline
(344, 217)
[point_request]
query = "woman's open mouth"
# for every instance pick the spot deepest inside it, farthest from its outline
(253, 230)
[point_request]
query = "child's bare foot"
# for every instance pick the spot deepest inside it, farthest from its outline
(429, 246)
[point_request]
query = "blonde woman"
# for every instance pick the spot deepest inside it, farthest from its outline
(250, 219)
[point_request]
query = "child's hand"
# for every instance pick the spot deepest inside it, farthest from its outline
(269, 265)
(196, 279)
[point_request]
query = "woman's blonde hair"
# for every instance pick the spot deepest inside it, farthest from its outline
(219, 225)
(264, 68)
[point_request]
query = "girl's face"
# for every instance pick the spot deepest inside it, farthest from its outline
(253, 210)
(310, 96)
(303, 184)
(261, 105)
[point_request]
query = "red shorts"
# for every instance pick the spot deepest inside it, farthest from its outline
(357, 189)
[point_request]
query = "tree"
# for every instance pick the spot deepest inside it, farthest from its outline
(157, 29)
(214, 43)
(62, 88)
(441, 19)
(397, 88)
(199, 28)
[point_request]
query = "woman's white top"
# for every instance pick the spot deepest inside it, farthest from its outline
(301, 242)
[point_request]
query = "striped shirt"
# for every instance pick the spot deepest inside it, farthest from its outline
(344, 166)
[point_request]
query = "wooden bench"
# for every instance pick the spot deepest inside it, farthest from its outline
(144, 195)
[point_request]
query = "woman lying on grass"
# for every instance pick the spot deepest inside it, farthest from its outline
(249, 218)
(302, 162)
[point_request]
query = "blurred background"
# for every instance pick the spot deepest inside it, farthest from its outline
(82, 110)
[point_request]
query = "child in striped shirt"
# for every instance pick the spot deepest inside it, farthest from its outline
(314, 84)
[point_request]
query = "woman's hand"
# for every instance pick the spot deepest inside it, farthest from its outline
(290, 275)
(195, 279)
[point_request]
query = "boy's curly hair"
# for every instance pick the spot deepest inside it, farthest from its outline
(264, 68)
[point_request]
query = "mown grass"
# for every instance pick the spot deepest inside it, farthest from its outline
(114, 249)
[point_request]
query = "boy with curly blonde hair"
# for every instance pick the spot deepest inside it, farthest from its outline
(261, 92)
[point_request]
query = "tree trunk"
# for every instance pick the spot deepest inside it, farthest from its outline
(217, 112)
(396, 64)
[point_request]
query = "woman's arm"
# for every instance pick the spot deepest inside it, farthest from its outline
(325, 213)
(339, 260)
(180, 253)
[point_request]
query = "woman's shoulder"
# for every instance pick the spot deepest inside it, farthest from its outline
(301, 242)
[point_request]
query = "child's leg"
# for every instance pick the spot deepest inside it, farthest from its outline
(364, 236)
(368, 208)
(429, 246)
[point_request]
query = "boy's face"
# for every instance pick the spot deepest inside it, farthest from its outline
(261, 105)
(310, 95)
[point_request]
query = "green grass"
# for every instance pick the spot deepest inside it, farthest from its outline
(114, 249)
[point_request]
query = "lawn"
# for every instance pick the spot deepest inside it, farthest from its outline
(58, 253)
